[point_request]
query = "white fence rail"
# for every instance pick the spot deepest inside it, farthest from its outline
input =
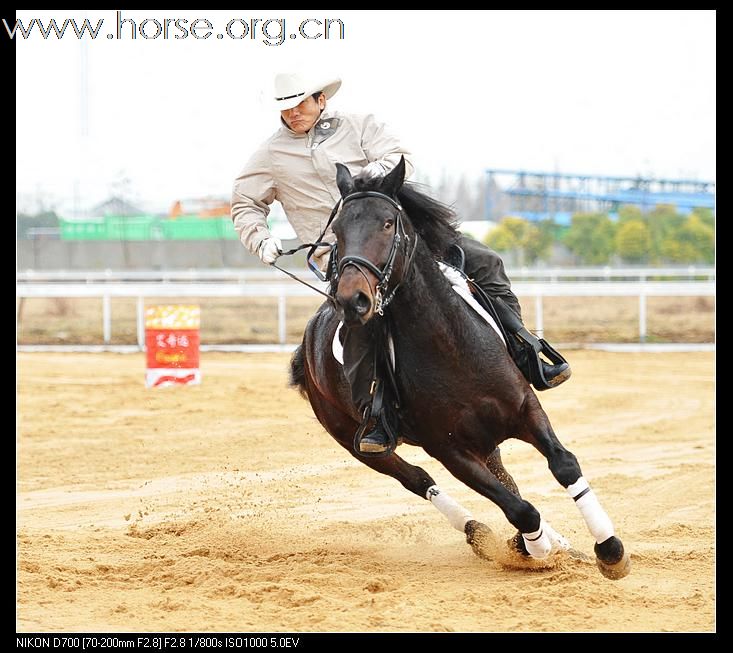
(244, 275)
(107, 290)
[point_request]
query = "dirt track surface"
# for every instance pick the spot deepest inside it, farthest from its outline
(226, 507)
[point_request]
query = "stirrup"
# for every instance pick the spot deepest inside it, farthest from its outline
(375, 411)
(379, 441)
(391, 437)
(534, 362)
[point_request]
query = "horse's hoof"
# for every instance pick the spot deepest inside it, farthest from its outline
(517, 545)
(617, 570)
(481, 539)
(611, 558)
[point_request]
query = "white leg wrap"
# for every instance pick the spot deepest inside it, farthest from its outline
(538, 543)
(456, 514)
(558, 541)
(576, 488)
(598, 522)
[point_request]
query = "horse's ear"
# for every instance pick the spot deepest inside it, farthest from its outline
(392, 182)
(344, 180)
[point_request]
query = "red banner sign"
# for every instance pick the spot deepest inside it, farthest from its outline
(172, 345)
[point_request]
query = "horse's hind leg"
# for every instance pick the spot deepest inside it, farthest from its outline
(496, 467)
(611, 558)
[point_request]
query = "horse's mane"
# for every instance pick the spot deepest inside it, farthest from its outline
(437, 223)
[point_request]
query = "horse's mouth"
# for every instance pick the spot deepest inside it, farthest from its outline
(357, 309)
(353, 318)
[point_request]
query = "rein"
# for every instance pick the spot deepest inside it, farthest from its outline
(312, 248)
(313, 268)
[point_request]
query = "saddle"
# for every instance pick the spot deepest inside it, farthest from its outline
(525, 348)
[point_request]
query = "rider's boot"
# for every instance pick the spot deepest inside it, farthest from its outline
(366, 392)
(527, 348)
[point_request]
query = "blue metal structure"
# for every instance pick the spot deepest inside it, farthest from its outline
(539, 195)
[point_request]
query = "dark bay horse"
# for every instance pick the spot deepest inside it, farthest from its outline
(461, 393)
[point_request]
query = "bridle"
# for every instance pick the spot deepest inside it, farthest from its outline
(336, 266)
(382, 298)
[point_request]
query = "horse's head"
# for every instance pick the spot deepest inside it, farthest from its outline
(371, 234)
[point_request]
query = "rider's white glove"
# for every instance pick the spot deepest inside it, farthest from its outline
(373, 170)
(269, 250)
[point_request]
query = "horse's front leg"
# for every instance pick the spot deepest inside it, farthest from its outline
(612, 559)
(537, 537)
(342, 426)
(417, 480)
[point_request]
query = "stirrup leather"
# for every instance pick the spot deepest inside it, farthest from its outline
(376, 411)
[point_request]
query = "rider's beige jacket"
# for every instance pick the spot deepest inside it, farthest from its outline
(299, 170)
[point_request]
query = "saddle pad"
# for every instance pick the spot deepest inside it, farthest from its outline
(336, 347)
(460, 286)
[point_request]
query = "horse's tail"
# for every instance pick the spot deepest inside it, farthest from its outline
(297, 370)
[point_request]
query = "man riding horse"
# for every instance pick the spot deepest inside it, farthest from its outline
(297, 167)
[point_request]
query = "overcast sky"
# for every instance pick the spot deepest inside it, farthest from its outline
(618, 93)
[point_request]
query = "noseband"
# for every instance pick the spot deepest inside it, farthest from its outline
(381, 298)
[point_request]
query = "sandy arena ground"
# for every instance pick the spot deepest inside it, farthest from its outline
(226, 507)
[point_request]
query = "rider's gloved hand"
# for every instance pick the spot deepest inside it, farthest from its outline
(269, 250)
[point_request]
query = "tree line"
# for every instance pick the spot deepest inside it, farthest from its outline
(659, 236)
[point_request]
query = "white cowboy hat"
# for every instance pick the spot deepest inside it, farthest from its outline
(292, 88)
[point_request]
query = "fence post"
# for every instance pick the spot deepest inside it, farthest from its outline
(642, 315)
(281, 325)
(106, 318)
(140, 320)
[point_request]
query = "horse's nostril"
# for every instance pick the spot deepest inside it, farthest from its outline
(361, 303)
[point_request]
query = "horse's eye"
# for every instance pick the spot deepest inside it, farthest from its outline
(388, 225)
